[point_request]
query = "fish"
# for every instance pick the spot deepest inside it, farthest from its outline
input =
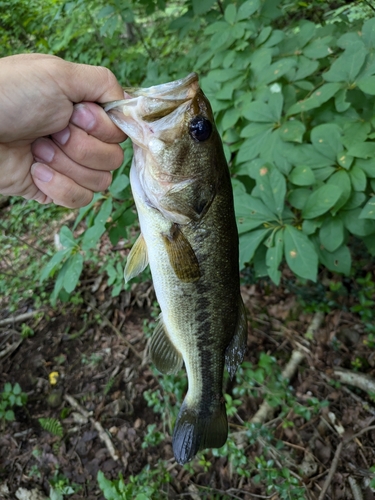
(182, 190)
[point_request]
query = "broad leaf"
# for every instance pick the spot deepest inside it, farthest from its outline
(247, 9)
(302, 176)
(300, 253)
(272, 187)
(331, 233)
(321, 95)
(340, 180)
(339, 261)
(348, 65)
(320, 201)
(326, 139)
(292, 131)
(368, 211)
(73, 271)
(249, 242)
(356, 225)
(273, 257)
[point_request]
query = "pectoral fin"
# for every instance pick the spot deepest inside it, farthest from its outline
(236, 349)
(137, 259)
(164, 355)
(181, 255)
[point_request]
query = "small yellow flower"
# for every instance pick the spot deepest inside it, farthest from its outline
(53, 377)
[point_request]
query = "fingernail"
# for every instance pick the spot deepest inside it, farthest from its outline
(41, 172)
(43, 150)
(62, 137)
(83, 117)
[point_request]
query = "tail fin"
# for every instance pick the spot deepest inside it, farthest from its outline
(196, 430)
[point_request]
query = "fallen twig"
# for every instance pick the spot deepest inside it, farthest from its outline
(98, 426)
(359, 380)
(19, 318)
(356, 490)
(10, 348)
(266, 411)
(332, 471)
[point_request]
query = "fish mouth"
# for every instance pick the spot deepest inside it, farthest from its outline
(154, 113)
(157, 101)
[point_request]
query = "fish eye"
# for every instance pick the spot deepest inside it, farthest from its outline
(200, 128)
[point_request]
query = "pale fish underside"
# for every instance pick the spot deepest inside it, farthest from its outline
(182, 190)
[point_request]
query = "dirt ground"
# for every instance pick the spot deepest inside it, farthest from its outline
(98, 347)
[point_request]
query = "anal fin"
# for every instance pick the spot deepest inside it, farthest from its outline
(235, 351)
(181, 255)
(164, 355)
(137, 259)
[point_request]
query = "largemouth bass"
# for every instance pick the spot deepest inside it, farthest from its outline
(182, 190)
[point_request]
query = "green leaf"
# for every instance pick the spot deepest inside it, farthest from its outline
(305, 67)
(339, 261)
(66, 238)
(355, 133)
(249, 242)
(309, 226)
(292, 131)
(356, 225)
(272, 187)
(368, 33)
(320, 96)
(340, 180)
(320, 201)
(273, 257)
(9, 415)
(92, 236)
(318, 48)
(104, 212)
(358, 178)
(326, 139)
(368, 211)
(331, 233)
(54, 262)
(259, 111)
(247, 9)
(73, 272)
(230, 118)
(367, 85)
(251, 147)
(202, 6)
(344, 160)
(85, 210)
(298, 197)
(348, 65)
(276, 70)
(230, 13)
(300, 253)
(356, 200)
(302, 176)
(120, 183)
(362, 150)
(251, 212)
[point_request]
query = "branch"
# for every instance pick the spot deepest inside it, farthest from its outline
(332, 471)
(98, 426)
(266, 411)
(19, 318)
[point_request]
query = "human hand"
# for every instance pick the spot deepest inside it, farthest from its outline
(52, 150)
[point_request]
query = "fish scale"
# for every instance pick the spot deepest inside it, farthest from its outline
(182, 190)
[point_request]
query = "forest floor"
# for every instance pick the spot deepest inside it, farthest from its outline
(85, 365)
